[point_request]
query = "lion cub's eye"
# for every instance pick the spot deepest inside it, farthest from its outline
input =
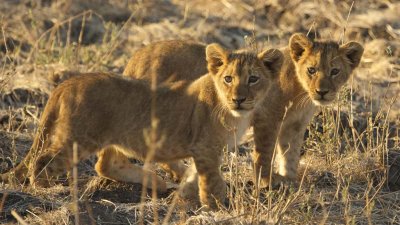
(228, 79)
(334, 71)
(311, 70)
(253, 79)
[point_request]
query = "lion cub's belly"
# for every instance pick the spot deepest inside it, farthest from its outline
(171, 153)
(164, 153)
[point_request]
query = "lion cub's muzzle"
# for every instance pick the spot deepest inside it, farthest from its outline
(237, 102)
(323, 96)
(241, 106)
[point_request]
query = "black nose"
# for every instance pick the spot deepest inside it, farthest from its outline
(321, 92)
(239, 100)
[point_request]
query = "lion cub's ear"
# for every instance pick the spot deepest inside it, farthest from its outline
(353, 52)
(272, 60)
(216, 56)
(298, 44)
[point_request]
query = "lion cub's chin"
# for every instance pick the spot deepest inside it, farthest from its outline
(241, 112)
(322, 102)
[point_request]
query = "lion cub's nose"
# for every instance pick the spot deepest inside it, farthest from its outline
(238, 100)
(322, 92)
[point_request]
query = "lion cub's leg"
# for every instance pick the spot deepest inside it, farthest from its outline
(114, 165)
(56, 160)
(212, 188)
(289, 154)
(176, 169)
(48, 166)
(190, 185)
(265, 138)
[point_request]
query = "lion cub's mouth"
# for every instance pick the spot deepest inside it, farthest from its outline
(322, 99)
(240, 111)
(241, 108)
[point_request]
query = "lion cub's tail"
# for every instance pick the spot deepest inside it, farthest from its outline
(21, 171)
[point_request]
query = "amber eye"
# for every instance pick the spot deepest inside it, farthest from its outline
(253, 79)
(334, 71)
(311, 70)
(228, 79)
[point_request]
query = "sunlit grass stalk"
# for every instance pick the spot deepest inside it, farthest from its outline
(75, 197)
(152, 148)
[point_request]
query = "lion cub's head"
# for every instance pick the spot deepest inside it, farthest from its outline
(242, 78)
(323, 67)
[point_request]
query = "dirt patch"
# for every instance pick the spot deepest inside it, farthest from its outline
(22, 203)
(99, 188)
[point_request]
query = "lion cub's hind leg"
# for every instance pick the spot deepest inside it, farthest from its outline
(114, 165)
(48, 166)
(176, 169)
(57, 160)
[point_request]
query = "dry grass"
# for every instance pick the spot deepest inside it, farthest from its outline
(345, 176)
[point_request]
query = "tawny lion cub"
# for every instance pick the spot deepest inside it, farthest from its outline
(99, 111)
(312, 74)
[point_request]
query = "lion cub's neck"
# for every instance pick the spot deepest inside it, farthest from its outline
(291, 89)
(288, 80)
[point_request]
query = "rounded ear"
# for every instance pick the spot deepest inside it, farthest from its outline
(298, 44)
(216, 56)
(272, 60)
(353, 52)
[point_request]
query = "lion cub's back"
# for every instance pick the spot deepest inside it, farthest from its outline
(89, 98)
(102, 86)
(170, 61)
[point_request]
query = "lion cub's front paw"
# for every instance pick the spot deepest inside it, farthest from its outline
(276, 182)
(190, 192)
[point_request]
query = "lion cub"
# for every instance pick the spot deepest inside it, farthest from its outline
(312, 74)
(107, 115)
